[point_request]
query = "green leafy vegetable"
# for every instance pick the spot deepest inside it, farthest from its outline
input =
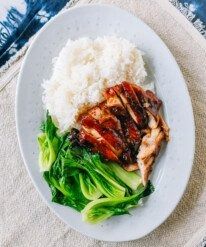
(131, 179)
(48, 143)
(48, 127)
(99, 172)
(89, 190)
(101, 209)
(65, 187)
(47, 151)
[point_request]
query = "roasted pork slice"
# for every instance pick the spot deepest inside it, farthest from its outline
(151, 144)
(127, 95)
(114, 103)
(149, 149)
(148, 99)
(132, 135)
(158, 121)
(140, 93)
(102, 114)
(154, 102)
(130, 130)
(164, 127)
(153, 120)
(114, 142)
(97, 145)
(155, 134)
(127, 157)
(130, 93)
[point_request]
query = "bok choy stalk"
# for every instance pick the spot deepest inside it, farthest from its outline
(48, 143)
(89, 190)
(131, 179)
(103, 208)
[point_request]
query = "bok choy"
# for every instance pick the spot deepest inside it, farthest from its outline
(89, 190)
(103, 208)
(84, 160)
(48, 143)
(131, 179)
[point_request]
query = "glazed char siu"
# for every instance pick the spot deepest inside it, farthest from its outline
(130, 101)
(126, 127)
(148, 99)
(92, 126)
(132, 135)
(98, 145)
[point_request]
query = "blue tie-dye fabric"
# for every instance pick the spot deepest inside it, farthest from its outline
(195, 11)
(20, 20)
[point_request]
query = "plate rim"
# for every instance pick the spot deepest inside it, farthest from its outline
(186, 94)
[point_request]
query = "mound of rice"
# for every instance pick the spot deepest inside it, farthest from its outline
(83, 69)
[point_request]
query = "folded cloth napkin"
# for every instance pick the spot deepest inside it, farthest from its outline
(26, 220)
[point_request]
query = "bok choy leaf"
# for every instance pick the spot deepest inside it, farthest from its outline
(89, 190)
(99, 172)
(103, 208)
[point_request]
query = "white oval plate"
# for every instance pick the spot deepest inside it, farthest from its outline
(173, 167)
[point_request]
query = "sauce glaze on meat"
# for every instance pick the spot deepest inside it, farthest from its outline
(126, 127)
